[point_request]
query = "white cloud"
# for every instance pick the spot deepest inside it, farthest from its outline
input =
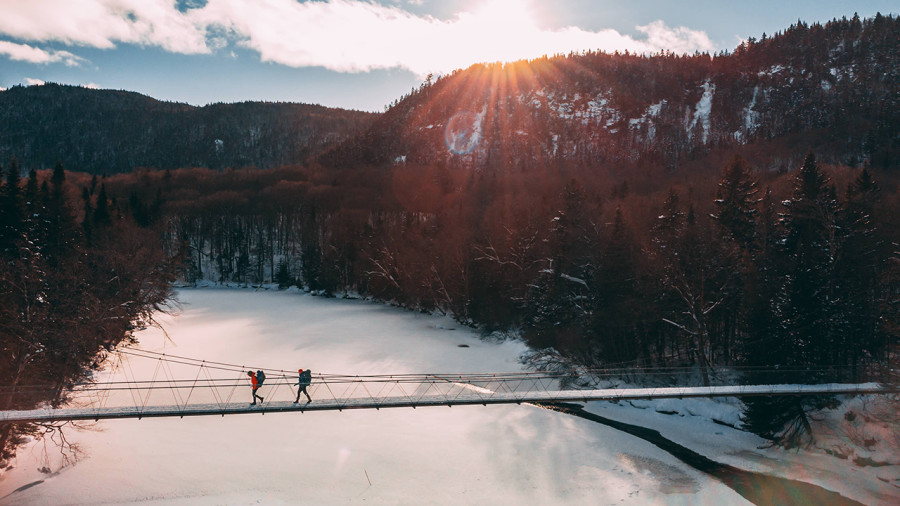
(679, 40)
(103, 23)
(341, 35)
(353, 36)
(24, 52)
(30, 81)
(2, 88)
(93, 86)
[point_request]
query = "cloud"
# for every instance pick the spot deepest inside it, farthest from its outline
(341, 35)
(2, 88)
(678, 40)
(354, 36)
(30, 81)
(24, 52)
(93, 86)
(103, 23)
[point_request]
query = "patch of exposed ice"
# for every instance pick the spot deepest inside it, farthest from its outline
(702, 111)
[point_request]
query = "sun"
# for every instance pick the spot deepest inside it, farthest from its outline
(498, 30)
(512, 14)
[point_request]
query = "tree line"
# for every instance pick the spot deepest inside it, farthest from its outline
(108, 131)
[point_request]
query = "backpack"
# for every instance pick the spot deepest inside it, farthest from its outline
(305, 377)
(260, 377)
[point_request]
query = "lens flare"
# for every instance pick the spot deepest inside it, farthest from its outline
(463, 132)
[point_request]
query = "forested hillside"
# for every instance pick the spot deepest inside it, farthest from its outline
(105, 131)
(831, 88)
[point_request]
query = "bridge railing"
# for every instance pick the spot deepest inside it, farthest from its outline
(182, 384)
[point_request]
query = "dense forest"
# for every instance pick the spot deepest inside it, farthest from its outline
(721, 213)
(832, 88)
(73, 285)
(107, 131)
(796, 270)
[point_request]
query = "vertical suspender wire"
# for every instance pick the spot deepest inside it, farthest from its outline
(191, 391)
(173, 384)
(290, 385)
(234, 387)
(104, 393)
(271, 394)
(327, 386)
(212, 385)
(150, 389)
(132, 389)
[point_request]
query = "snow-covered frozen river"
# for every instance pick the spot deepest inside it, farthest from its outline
(471, 455)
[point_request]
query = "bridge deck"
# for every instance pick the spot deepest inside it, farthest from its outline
(467, 396)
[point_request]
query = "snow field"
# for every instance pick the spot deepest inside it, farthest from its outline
(483, 455)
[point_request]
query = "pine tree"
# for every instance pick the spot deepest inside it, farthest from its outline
(11, 212)
(670, 223)
(809, 251)
(762, 343)
(856, 274)
(101, 215)
(736, 203)
(616, 291)
(62, 234)
(804, 338)
(561, 302)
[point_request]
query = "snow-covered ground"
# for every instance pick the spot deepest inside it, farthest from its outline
(482, 455)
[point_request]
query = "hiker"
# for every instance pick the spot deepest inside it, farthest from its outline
(255, 384)
(304, 381)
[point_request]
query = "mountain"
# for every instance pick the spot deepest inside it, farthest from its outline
(832, 88)
(106, 131)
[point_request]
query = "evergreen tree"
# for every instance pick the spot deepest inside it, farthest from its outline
(101, 215)
(803, 305)
(62, 234)
(283, 276)
(856, 275)
(809, 251)
(736, 203)
(11, 215)
(560, 304)
(669, 224)
(573, 233)
(760, 321)
(618, 300)
(31, 192)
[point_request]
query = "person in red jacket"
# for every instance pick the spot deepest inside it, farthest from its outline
(255, 384)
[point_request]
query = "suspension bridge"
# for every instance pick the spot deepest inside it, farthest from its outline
(216, 388)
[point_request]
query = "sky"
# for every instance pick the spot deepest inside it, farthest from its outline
(354, 54)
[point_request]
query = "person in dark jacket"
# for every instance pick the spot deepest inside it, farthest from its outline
(304, 381)
(255, 384)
